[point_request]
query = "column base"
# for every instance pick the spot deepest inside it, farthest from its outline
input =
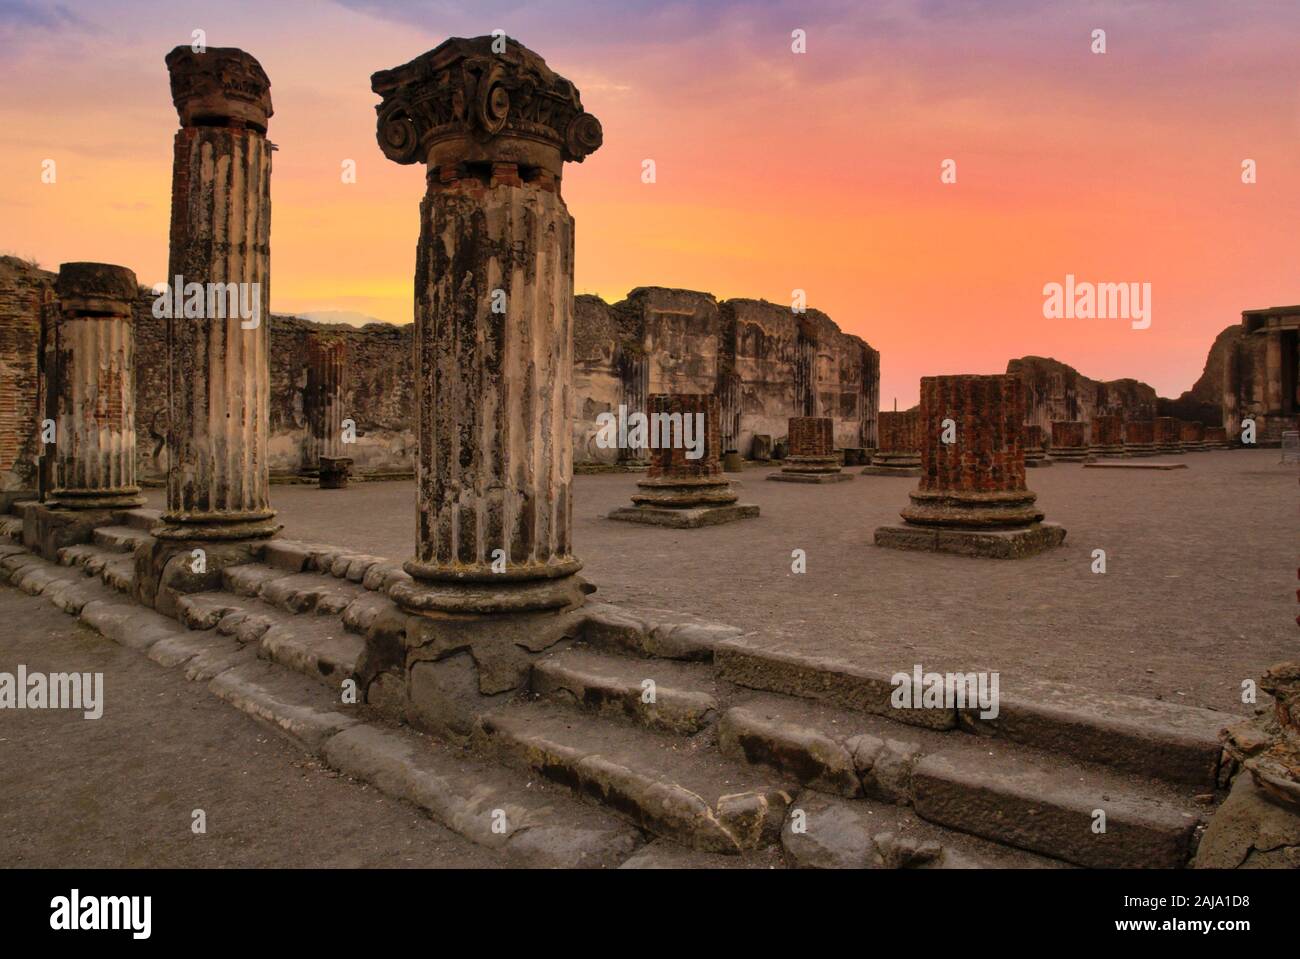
(992, 510)
(126, 498)
(1015, 543)
(880, 470)
(1069, 453)
(683, 492)
(1140, 449)
(433, 592)
(1037, 461)
(1169, 450)
(207, 527)
(689, 518)
(1106, 451)
(784, 477)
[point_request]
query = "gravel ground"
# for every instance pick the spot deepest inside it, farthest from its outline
(120, 791)
(1199, 592)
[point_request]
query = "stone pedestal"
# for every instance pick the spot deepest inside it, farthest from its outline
(1216, 438)
(812, 456)
(1035, 454)
(218, 485)
(1069, 440)
(1107, 435)
(323, 406)
(1168, 436)
(972, 499)
(1140, 437)
(679, 491)
(91, 389)
(1192, 435)
(898, 445)
(493, 325)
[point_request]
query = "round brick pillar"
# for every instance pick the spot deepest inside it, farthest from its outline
(1216, 438)
(978, 480)
(674, 480)
(1140, 437)
(1032, 440)
(1192, 435)
(92, 388)
(1168, 435)
(812, 446)
(1107, 435)
(1069, 439)
(898, 439)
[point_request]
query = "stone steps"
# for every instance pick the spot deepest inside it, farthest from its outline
(1148, 738)
(121, 539)
(143, 519)
(11, 529)
(113, 567)
(676, 788)
(667, 696)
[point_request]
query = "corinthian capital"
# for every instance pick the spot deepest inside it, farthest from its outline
(219, 85)
(463, 103)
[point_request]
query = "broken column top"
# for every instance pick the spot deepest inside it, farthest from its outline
(463, 103)
(96, 288)
(218, 86)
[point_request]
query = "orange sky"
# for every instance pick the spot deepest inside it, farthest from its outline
(775, 170)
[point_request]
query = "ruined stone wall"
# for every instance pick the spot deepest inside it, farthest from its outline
(1056, 392)
(26, 298)
(1207, 400)
(378, 393)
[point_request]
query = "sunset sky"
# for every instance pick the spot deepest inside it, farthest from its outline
(775, 170)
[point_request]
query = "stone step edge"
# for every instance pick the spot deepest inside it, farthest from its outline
(1133, 745)
(319, 732)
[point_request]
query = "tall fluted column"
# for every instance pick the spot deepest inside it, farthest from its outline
(92, 388)
(493, 323)
(218, 484)
(323, 403)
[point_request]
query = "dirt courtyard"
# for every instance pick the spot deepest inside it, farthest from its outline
(1198, 593)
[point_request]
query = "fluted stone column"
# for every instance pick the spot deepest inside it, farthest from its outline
(493, 324)
(218, 483)
(1168, 435)
(1069, 440)
(324, 454)
(1107, 435)
(678, 490)
(811, 458)
(898, 445)
(92, 388)
(972, 498)
(1035, 454)
(1140, 437)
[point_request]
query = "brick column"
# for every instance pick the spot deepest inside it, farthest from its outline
(812, 456)
(1140, 437)
(1032, 440)
(1168, 435)
(898, 446)
(218, 484)
(677, 490)
(1069, 440)
(92, 388)
(1192, 436)
(493, 324)
(1107, 435)
(1216, 438)
(972, 498)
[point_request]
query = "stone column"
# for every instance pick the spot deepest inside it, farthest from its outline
(680, 490)
(972, 498)
(898, 445)
(1192, 435)
(1273, 392)
(1107, 435)
(1032, 438)
(812, 456)
(493, 324)
(1216, 438)
(1140, 437)
(92, 388)
(218, 484)
(323, 449)
(634, 369)
(1068, 440)
(1168, 435)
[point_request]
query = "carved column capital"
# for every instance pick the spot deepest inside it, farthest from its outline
(217, 86)
(463, 103)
